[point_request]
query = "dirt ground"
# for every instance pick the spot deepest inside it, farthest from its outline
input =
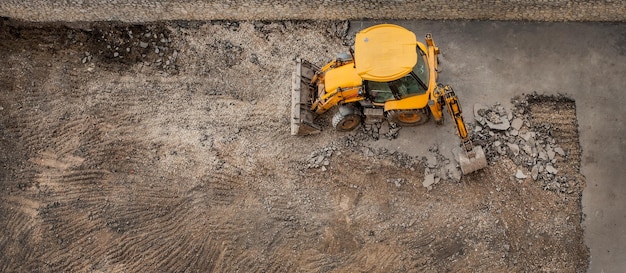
(166, 148)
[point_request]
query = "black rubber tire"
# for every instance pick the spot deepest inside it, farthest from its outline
(409, 117)
(344, 123)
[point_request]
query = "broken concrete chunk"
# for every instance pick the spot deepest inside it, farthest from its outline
(479, 112)
(520, 175)
(319, 159)
(429, 180)
(551, 169)
(534, 173)
(517, 123)
(431, 160)
(559, 151)
(529, 136)
(514, 148)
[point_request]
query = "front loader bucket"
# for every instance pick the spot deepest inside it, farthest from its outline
(472, 161)
(303, 93)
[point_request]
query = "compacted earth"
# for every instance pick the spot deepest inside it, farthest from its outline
(166, 147)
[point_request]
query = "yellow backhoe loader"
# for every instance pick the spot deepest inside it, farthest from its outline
(389, 75)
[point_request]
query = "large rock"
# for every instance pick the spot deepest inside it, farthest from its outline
(431, 161)
(559, 151)
(534, 173)
(520, 175)
(517, 124)
(479, 112)
(429, 180)
(514, 148)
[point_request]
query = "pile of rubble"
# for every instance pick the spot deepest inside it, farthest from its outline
(502, 134)
(530, 146)
(125, 43)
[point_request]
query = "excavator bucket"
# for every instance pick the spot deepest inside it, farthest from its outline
(473, 160)
(303, 93)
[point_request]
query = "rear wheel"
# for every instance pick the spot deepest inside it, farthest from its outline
(409, 117)
(346, 122)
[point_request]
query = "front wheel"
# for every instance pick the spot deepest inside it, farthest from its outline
(409, 117)
(346, 122)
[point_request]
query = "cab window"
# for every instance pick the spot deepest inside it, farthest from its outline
(379, 91)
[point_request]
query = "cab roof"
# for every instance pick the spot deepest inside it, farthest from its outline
(385, 52)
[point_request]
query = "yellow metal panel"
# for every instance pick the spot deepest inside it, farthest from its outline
(414, 102)
(341, 77)
(385, 52)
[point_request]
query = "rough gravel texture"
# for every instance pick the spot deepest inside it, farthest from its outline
(155, 10)
(174, 155)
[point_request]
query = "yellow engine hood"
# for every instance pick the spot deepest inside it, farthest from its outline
(341, 77)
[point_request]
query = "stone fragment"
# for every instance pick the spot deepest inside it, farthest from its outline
(529, 136)
(514, 132)
(534, 173)
(551, 169)
(514, 148)
(143, 44)
(520, 175)
(429, 180)
(559, 151)
(551, 154)
(479, 112)
(517, 123)
(431, 160)
(318, 159)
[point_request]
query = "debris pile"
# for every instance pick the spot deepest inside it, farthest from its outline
(531, 146)
(128, 44)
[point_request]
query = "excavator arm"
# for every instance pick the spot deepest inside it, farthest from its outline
(473, 157)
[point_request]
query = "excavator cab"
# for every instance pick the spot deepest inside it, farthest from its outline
(381, 92)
